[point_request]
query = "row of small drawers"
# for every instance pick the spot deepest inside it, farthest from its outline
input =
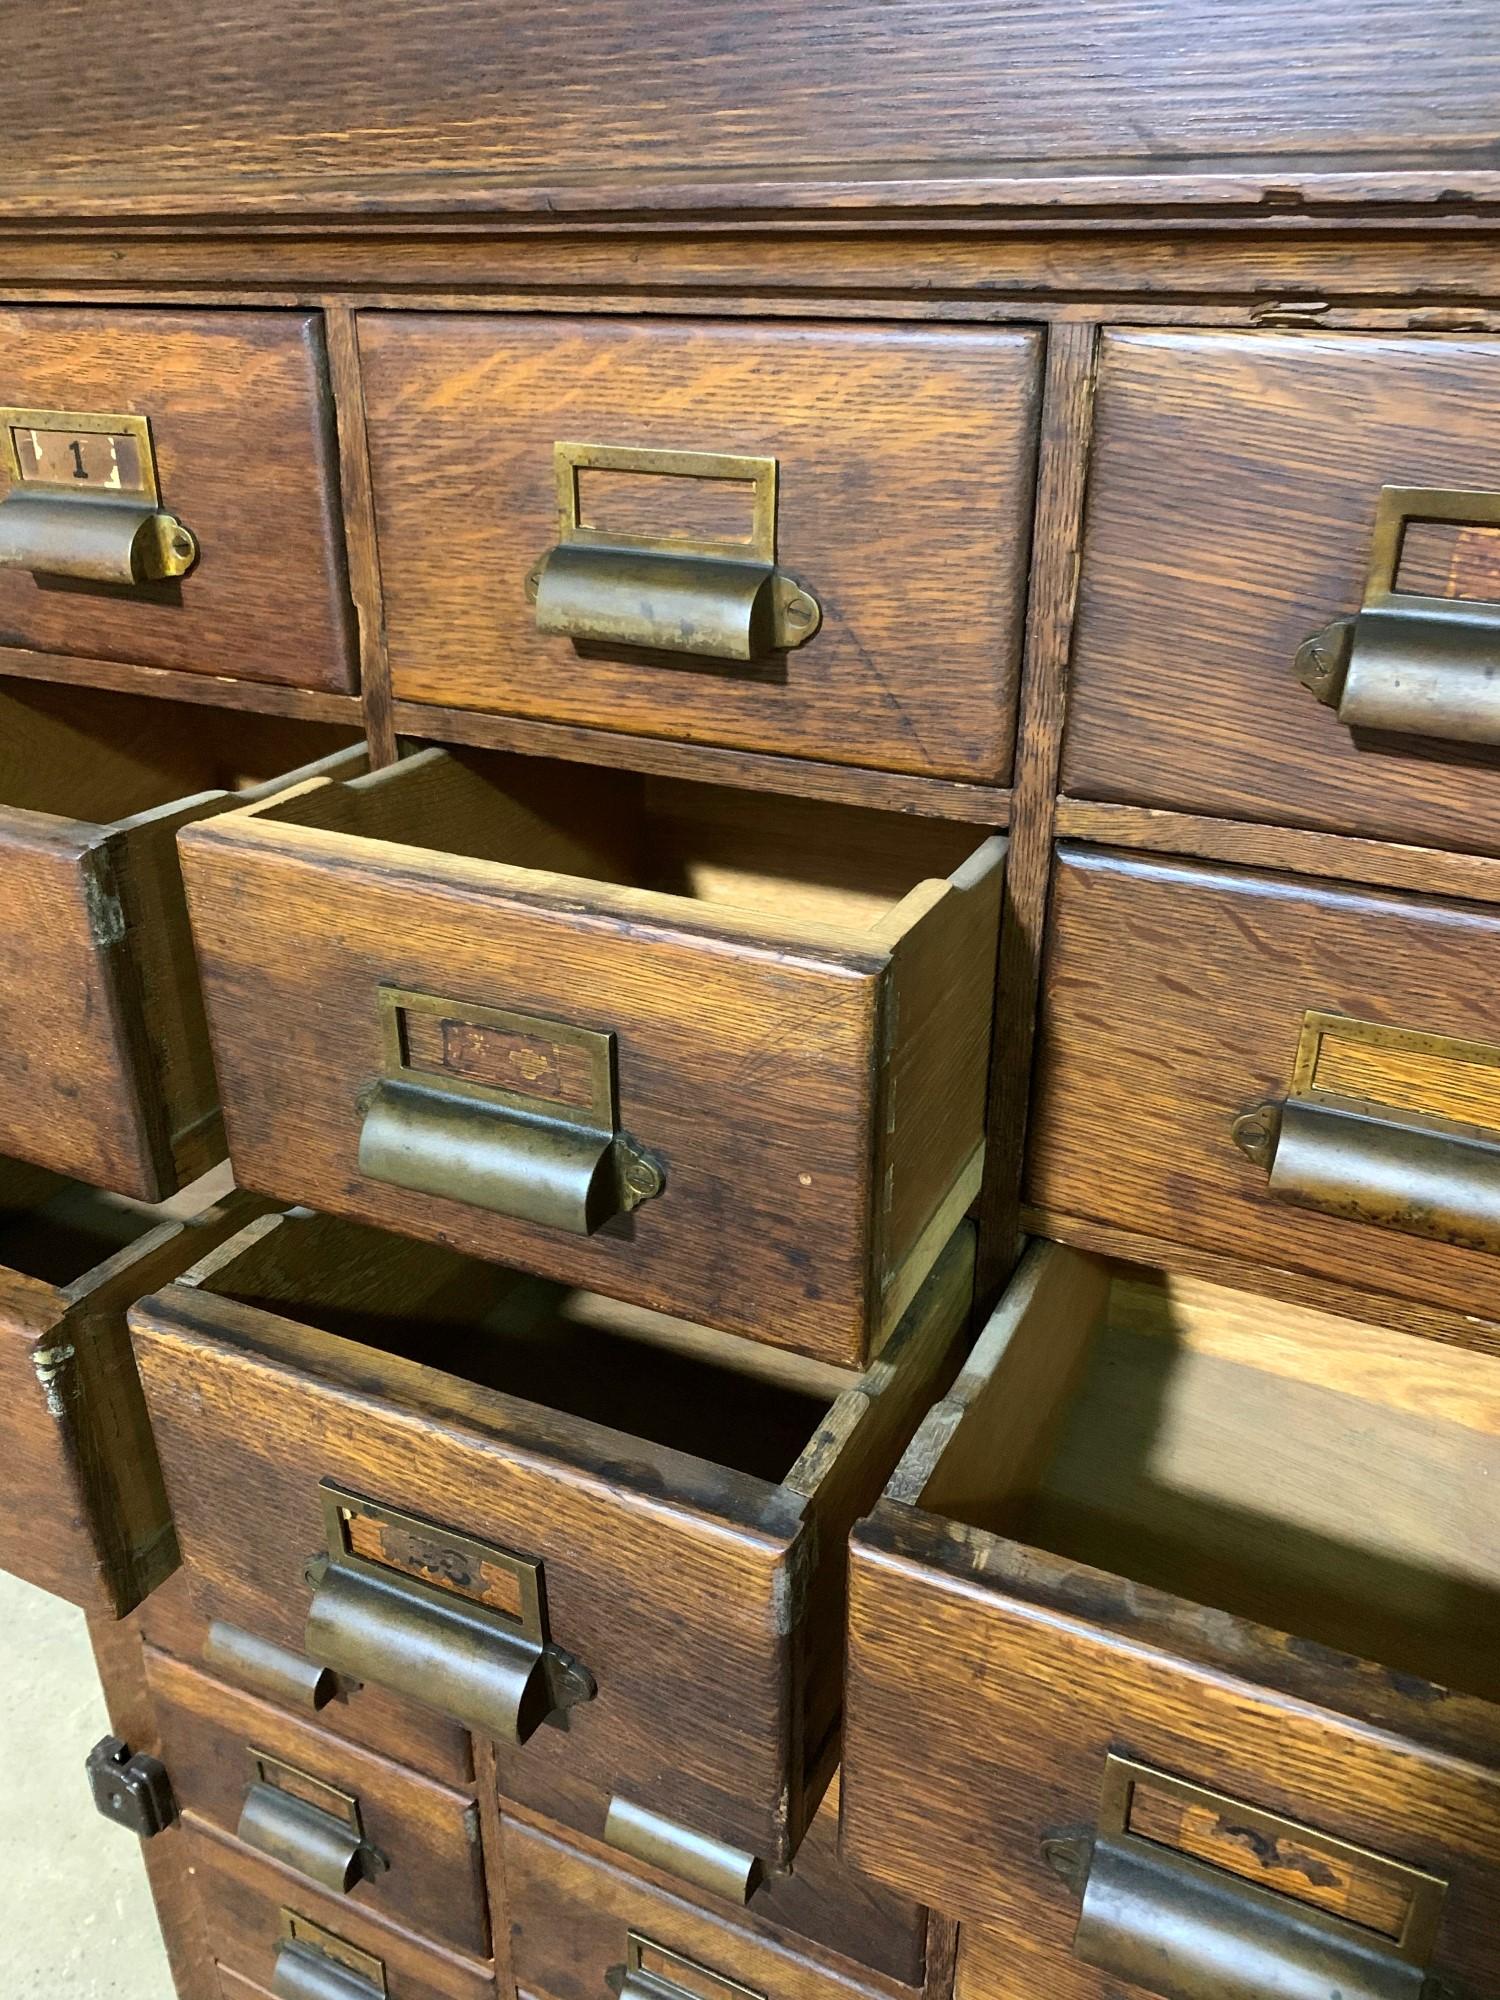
(1172, 1579)
(888, 472)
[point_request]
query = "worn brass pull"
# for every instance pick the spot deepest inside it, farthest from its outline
(274, 1670)
(450, 1622)
(296, 1819)
(314, 1964)
(1406, 663)
(724, 1871)
(504, 1111)
(84, 500)
(654, 1972)
(720, 597)
(1368, 1130)
(1158, 1916)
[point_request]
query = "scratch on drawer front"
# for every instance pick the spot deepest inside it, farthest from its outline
(106, 913)
(51, 1363)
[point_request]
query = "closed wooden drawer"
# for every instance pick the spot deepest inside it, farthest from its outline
(477, 998)
(268, 1928)
(638, 1525)
(85, 1512)
(108, 1074)
(236, 448)
(1234, 493)
(903, 468)
(1172, 1648)
(1275, 1068)
(352, 1823)
(579, 1927)
(360, 1714)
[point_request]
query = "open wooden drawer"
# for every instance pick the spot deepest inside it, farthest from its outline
(1076, 1709)
(720, 1054)
(610, 1541)
(84, 1513)
(107, 1074)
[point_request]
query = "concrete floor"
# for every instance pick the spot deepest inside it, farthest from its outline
(75, 1912)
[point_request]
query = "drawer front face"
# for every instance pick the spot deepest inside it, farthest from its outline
(384, 1838)
(903, 465)
(236, 449)
(1233, 504)
(1274, 1068)
(1095, 1768)
(268, 1928)
(577, 1925)
(285, 1677)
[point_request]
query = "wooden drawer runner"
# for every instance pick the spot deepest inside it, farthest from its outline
(902, 461)
(392, 1842)
(1075, 1715)
(237, 421)
(1276, 1068)
(1233, 503)
(108, 1074)
(85, 1513)
(645, 1520)
(268, 1928)
(461, 999)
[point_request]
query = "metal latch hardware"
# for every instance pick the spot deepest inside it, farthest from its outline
(84, 500)
(1407, 663)
(653, 1972)
(1195, 1896)
(698, 1858)
(509, 1112)
(131, 1789)
(304, 1823)
(316, 1964)
(719, 596)
(1386, 1125)
(452, 1623)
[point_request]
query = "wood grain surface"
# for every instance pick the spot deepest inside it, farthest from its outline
(211, 1736)
(905, 466)
(240, 424)
(1178, 991)
(1230, 512)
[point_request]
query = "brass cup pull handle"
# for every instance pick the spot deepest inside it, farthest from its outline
(716, 597)
(303, 1972)
(1409, 664)
(84, 500)
(494, 1670)
(330, 1849)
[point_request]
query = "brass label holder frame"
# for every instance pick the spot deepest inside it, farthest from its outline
(715, 596)
(542, 1146)
(1419, 1171)
(654, 1971)
(1155, 1914)
(314, 1963)
(85, 499)
(1406, 663)
(303, 1822)
(453, 1623)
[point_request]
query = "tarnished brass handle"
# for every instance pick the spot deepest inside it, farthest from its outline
(1155, 1917)
(509, 1112)
(84, 501)
(719, 598)
(286, 1676)
(474, 1646)
(304, 1823)
(1408, 664)
(1332, 1144)
(313, 1964)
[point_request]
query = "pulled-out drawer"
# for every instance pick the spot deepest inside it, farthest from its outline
(720, 1054)
(611, 1541)
(805, 539)
(352, 1710)
(1172, 1649)
(107, 1073)
(1289, 604)
(580, 1927)
(1278, 1069)
(85, 1513)
(267, 1928)
(352, 1823)
(168, 493)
